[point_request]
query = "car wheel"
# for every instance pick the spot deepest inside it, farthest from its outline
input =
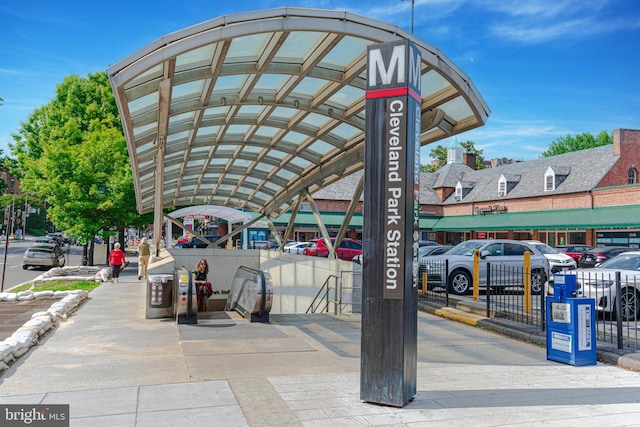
(538, 279)
(459, 282)
(25, 267)
(629, 303)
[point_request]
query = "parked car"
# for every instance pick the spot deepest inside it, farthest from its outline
(46, 240)
(184, 238)
(600, 283)
(436, 249)
(263, 244)
(60, 238)
(423, 251)
(195, 242)
(504, 255)
(297, 248)
(574, 251)
(347, 250)
(289, 243)
(596, 256)
(558, 262)
(43, 255)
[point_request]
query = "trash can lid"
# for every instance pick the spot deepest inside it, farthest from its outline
(160, 277)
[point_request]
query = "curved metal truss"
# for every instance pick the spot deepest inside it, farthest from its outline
(255, 110)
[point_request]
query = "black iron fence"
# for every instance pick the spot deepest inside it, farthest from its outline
(508, 294)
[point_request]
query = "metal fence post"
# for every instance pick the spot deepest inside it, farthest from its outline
(488, 290)
(446, 282)
(543, 309)
(618, 308)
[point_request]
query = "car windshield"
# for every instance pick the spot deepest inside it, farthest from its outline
(623, 262)
(545, 249)
(466, 248)
(424, 251)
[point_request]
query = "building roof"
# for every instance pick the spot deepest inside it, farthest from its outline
(584, 170)
(252, 110)
(581, 170)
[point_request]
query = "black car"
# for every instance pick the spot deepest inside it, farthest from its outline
(596, 256)
(195, 242)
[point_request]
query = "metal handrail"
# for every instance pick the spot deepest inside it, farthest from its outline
(321, 296)
(324, 294)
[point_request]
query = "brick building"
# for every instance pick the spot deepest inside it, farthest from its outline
(585, 197)
(13, 184)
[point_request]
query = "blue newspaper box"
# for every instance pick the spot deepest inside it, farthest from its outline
(571, 324)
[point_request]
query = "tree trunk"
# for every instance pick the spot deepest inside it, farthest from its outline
(121, 239)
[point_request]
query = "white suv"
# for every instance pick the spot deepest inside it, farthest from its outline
(558, 262)
(503, 254)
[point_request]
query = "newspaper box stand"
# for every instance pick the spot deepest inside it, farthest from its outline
(571, 324)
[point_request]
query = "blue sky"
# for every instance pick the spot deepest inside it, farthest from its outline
(546, 68)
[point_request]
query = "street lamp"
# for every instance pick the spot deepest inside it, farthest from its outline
(413, 2)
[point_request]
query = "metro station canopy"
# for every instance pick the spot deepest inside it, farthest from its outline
(254, 110)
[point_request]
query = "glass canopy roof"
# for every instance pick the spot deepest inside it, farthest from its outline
(252, 110)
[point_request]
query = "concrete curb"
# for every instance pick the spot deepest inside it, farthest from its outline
(606, 353)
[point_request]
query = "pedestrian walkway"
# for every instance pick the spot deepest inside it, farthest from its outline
(116, 368)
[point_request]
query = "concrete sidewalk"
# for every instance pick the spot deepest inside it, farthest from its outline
(116, 368)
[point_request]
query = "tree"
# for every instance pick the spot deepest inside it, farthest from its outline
(439, 154)
(72, 154)
(582, 141)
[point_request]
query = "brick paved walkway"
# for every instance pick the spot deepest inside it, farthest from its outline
(15, 314)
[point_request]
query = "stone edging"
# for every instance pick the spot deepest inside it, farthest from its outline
(41, 322)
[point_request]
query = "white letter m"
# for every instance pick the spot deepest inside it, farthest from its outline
(386, 75)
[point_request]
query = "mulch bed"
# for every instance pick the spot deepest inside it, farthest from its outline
(14, 315)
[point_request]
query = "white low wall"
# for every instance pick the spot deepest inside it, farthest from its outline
(296, 278)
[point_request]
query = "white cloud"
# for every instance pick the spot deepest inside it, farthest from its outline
(546, 20)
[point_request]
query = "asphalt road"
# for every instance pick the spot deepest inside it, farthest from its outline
(12, 273)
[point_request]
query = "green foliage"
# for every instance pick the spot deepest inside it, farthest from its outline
(582, 141)
(55, 286)
(439, 154)
(36, 221)
(72, 153)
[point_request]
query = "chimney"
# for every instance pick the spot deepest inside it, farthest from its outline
(469, 159)
(624, 137)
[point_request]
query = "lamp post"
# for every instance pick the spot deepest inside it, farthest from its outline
(413, 2)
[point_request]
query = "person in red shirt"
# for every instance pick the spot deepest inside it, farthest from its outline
(116, 260)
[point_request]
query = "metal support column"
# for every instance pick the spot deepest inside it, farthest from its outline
(164, 103)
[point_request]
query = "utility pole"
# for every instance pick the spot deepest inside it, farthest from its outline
(9, 219)
(413, 3)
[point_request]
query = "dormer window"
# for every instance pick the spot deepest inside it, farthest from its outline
(458, 195)
(549, 180)
(555, 176)
(502, 186)
(632, 176)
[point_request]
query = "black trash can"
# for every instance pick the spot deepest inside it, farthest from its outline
(159, 296)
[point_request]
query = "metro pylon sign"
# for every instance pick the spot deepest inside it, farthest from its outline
(390, 231)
